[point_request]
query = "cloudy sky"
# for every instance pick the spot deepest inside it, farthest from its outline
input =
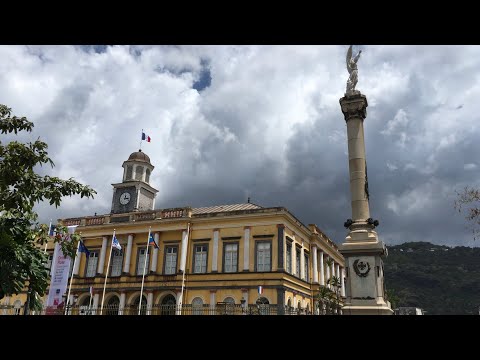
(231, 122)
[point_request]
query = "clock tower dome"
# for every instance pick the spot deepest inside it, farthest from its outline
(134, 193)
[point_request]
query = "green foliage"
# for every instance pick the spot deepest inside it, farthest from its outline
(438, 279)
(21, 237)
(468, 201)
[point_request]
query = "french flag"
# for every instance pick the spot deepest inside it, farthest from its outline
(260, 290)
(145, 137)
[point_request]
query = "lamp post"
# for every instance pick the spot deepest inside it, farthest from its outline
(242, 302)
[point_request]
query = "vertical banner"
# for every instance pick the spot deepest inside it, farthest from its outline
(59, 274)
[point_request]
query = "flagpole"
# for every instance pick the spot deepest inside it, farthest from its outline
(71, 277)
(144, 267)
(141, 138)
(184, 270)
(49, 227)
(91, 298)
(106, 274)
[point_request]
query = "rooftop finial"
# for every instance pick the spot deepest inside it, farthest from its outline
(248, 200)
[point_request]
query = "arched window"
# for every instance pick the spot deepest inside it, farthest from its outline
(197, 306)
(229, 305)
(147, 176)
(299, 308)
(308, 309)
(113, 305)
(136, 302)
(168, 305)
(289, 306)
(139, 173)
(17, 306)
(85, 306)
(128, 175)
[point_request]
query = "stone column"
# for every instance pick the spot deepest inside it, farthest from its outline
(179, 302)
(77, 263)
(333, 269)
(302, 263)
(354, 109)
(153, 268)
(6, 303)
(328, 276)
(294, 259)
(215, 250)
(149, 303)
(101, 261)
(343, 281)
(245, 296)
(322, 270)
(213, 294)
(281, 247)
(95, 303)
(128, 255)
(183, 255)
(122, 303)
(281, 301)
(246, 248)
(315, 265)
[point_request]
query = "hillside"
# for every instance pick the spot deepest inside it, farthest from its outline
(438, 279)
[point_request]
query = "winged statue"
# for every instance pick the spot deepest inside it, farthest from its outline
(352, 70)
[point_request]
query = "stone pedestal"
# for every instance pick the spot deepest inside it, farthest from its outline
(362, 250)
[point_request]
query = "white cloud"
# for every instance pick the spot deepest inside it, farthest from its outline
(268, 109)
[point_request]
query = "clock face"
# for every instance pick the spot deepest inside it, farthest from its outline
(124, 198)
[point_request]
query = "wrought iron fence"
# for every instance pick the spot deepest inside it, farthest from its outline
(167, 310)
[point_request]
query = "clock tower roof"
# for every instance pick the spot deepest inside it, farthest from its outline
(139, 156)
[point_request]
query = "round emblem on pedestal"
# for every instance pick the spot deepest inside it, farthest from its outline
(361, 268)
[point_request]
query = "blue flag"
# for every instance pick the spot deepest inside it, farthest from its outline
(151, 241)
(83, 248)
(51, 231)
(116, 244)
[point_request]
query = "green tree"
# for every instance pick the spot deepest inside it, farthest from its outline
(22, 260)
(468, 201)
(324, 299)
(392, 296)
(335, 283)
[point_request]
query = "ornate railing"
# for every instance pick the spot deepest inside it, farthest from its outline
(160, 310)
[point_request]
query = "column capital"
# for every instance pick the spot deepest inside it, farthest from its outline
(216, 229)
(247, 227)
(244, 290)
(354, 106)
(213, 291)
(131, 234)
(280, 226)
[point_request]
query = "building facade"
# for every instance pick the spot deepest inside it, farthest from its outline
(229, 257)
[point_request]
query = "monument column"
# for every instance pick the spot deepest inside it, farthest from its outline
(362, 250)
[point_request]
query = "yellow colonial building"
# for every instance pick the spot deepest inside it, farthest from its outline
(241, 258)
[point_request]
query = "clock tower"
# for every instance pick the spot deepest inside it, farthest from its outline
(134, 193)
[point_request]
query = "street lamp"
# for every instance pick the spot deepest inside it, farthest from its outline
(242, 302)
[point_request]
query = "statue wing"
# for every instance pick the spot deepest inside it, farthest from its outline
(349, 57)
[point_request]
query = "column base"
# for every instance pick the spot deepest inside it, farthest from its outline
(366, 310)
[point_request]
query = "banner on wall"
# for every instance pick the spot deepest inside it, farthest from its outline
(59, 274)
